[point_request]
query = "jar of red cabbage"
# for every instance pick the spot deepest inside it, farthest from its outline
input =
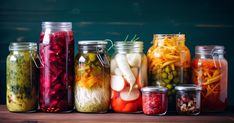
(57, 64)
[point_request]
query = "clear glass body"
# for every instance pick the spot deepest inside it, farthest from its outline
(57, 67)
(92, 79)
(169, 63)
(128, 76)
(154, 103)
(210, 71)
(188, 102)
(22, 84)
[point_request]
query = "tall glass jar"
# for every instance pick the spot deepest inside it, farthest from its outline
(92, 77)
(169, 63)
(57, 67)
(128, 76)
(22, 91)
(210, 71)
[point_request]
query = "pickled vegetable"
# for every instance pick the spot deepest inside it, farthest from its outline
(22, 82)
(128, 76)
(56, 73)
(211, 74)
(92, 83)
(169, 61)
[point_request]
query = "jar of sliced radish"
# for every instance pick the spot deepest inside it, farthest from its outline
(154, 99)
(128, 76)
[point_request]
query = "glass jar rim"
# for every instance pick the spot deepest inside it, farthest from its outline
(188, 87)
(92, 42)
(48, 24)
(15, 46)
(209, 49)
(154, 89)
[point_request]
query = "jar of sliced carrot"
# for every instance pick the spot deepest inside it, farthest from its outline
(210, 70)
(169, 63)
(128, 76)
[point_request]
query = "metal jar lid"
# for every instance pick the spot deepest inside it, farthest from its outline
(92, 42)
(188, 87)
(154, 89)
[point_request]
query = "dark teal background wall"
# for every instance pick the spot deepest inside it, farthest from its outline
(203, 22)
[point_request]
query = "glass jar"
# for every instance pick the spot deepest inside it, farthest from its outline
(92, 77)
(154, 100)
(57, 67)
(169, 63)
(188, 99)
(210, 71)
(128, 76)
(22, 91)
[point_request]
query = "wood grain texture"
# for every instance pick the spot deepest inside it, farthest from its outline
(39, 117)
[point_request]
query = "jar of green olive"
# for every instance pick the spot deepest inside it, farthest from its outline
(21, 93)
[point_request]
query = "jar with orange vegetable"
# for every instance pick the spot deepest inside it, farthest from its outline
(128, 76)
(92, 77)
(169, 63)
(210, 71)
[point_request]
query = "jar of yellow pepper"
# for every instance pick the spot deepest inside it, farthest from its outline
(168, 61)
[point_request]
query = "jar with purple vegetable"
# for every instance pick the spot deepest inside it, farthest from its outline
(57, 64)
(188, 99)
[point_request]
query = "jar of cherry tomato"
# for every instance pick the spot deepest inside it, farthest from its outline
(154, 100)
(210, 70)
(57, 67)
(188, 99)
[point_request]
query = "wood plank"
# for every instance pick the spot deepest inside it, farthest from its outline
(39, 117)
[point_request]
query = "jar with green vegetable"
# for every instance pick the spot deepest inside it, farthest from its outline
(22, 84)
(92, 77)
(169, 62)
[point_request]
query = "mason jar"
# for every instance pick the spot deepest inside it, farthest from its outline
(92, 77)
(57, 67)
(154, 100)
(210, 71)
(188, 99)
(128, 76)
(22, 84)
(169, 63)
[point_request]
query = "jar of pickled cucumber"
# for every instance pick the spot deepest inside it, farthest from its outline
(92, 77)
(210, 71)
(169, 62)
(22, 82)
(128, 76)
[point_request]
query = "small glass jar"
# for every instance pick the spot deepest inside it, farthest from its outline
(210, 71)
(188, 99)
(128, 76)
(154, 100)
(92, 77)
(57, 67)
(22, 84)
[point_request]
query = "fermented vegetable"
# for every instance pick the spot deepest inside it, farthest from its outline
(22, 91)
(130, 75)
(92, 78)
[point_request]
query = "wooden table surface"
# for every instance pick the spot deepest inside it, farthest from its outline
(39, 117)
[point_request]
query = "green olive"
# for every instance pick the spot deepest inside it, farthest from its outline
(164, 75)
(170, 76)
(174, 73)
(167, 69)
(166, 80)
(92, 57)
(169, 86)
